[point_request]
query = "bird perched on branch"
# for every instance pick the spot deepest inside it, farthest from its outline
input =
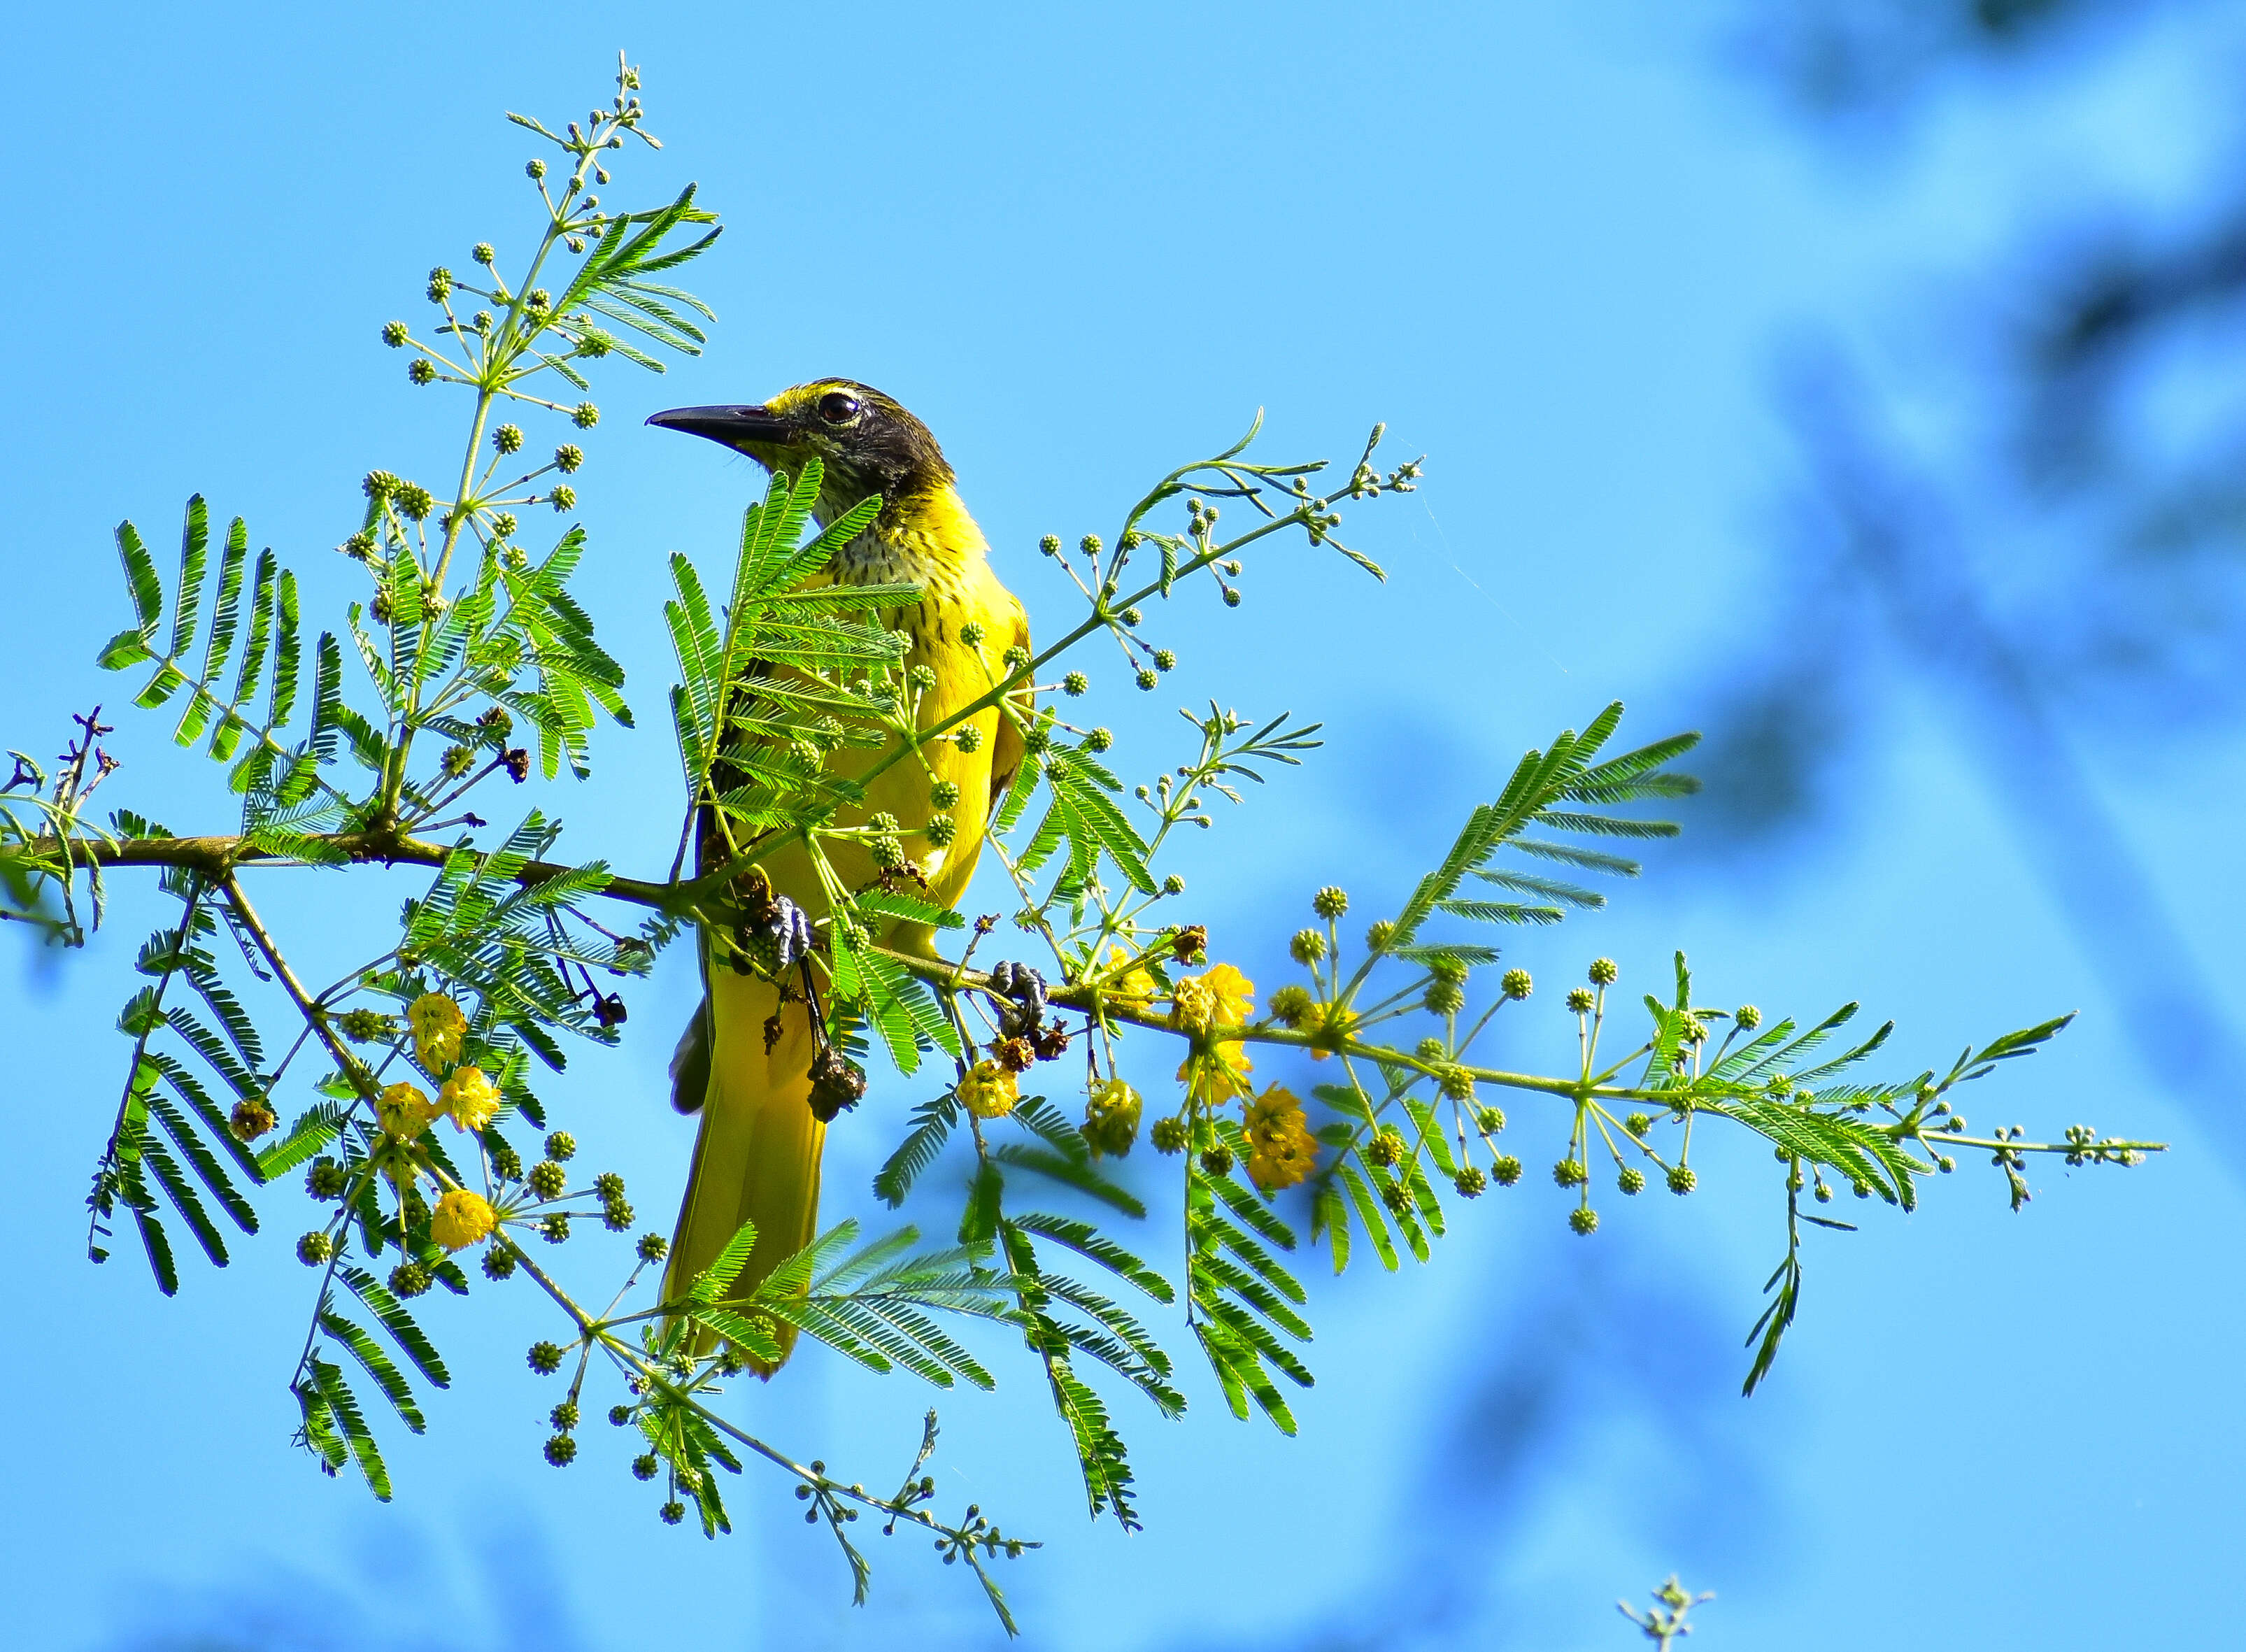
(757, 1157)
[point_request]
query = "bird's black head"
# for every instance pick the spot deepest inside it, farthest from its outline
(867, 442)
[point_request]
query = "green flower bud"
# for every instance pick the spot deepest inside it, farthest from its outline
(652, 1248)
(555, 1229)
(1098, 740)
(422, 371)
(379, 485)
(594, 343)
(1173, 885)
(567, 457)
(1049, 545)
(972, 634)
(1489, 1120)
(1637, 1124)
(617, 1215)
(1383, 1147)
(409, 1279)
(1581, 1000)
(1165, 661)
(1748, 1018)
(458, 760)
(563, 498)
(414, 501)
(1147, 679)
(1583, 1220)
(560, 1451)
(1570, 1172)
(1604, 972)
(326, 1179)
(1089, 544)
(1075, 683)
(547, 1179)
(940, 830)
(1456, 1084)
(968, 737)
(545, 1358)
(1631, 1180)
(1217, 1160)
(537, 299)
(1036, 738)
(564, 1415)
(1398, 1197)
(535, 168)
(1471, 1182)
(1232, 596)
(504, 524)
(1329, 902)
(1168, 1135)
(1291, 1005)
(314, 1249)
(608, 1185)
(1015, 658)
(1516, 984)
(394, 334)
(585, 416)
(440, 284)
(1308, 946)
(483, 253)
(944, 794)
(644, 1468)
(1446, 998)
(1505, 1169)
(1682, 1180)
(505, 1163)
(1377, 936)
(499, 1263)
(672, 1514)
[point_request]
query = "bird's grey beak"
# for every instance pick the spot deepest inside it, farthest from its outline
(733, 427)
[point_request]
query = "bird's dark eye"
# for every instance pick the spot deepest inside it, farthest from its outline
(838, 407)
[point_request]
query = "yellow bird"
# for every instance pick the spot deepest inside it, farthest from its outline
(757, 1157)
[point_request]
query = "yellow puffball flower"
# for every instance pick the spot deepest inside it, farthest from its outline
(439, 1028)
(1111, 1118)
(460, 1219)
(1221, 997)
(404, 1110)
(471, 1096)
(1280, 1150)
(989, 1090)
(1135, 983)
(1215, 1075)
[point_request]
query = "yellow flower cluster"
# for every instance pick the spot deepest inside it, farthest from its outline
(1222, 997)
(1280, 1150)
(460, 1219)
(989, 1090)
(471, 1098)
(439, 1029)
(404, 1110)
(1135, 983)
(1111, 1118)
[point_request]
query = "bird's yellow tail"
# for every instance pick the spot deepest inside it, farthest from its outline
(757, 1157)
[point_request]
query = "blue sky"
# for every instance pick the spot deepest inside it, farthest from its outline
(1558, 251)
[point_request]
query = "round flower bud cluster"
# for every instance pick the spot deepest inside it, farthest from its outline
(1098, 740)
(499, 1263)
(440, 284)
(1637, 1124)
(1075, 683)
(1682, 1180)
(1748, 1018)
(421, 371)
(569, 457)
(555, 1229)
(1631, 1180)
(968, 737)
(326, 1179)
(1583, 1220)
(1471, 1182)
(1148, 680)
(1446, 998)
(483, 253)
(394, 334)
(1604, 972)
(507, 438)
(409, 1279)
(1385, 1147)
(1398, 1197)
(560, 1451)
(457, 761)
(547, 1179)
(414, 501)
(1570, 1172)
(944, 794)
(1456, 1084)
(1308, 946)
(594, 343)
(972, 634)
(652, 1248)
(314, 1249)
(251, 1119)
(562, 1146)
(534, 168)
(1489, 1120)
(1292, 1005)
(1165, 661)
(1049, 545)
(1168, 1135)
(1379, 935)
(585, 416)
(1329, 902)
(563, 498)
(1217, 1160)
(1015, 658)
(1581, 1000)
(940, 830)
(1516, 984)
(1505, 1169)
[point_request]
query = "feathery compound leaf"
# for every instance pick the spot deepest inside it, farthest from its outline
(378, 1365)
(712, 1283)
(343, 1405)
(393, 1317)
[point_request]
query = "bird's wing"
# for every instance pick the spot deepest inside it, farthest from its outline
(1006, 751)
